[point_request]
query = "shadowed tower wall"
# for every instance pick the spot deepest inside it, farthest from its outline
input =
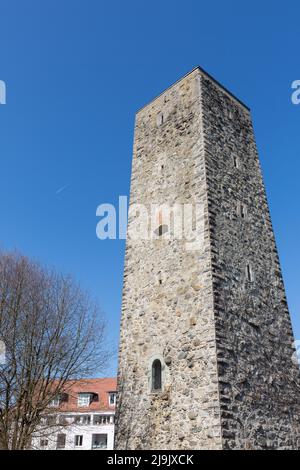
(215, 316)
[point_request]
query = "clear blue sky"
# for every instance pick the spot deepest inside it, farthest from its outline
(76, 72)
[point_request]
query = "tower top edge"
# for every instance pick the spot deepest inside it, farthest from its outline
(206, 74)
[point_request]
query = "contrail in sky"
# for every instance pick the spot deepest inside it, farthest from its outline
(60, 190)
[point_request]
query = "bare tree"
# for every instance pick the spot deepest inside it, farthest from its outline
(53, 333)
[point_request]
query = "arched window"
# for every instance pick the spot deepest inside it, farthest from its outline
(156, 375)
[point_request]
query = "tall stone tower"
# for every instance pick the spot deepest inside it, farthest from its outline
(206, 345)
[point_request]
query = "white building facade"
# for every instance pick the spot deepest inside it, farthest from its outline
(82, 418)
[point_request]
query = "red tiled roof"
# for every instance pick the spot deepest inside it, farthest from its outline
(100, 389)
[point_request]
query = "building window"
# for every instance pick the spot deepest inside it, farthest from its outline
(62, 420)
(242, 210)
(84, 399)
(156, 375)
(51, 420)
(44, 443)
(61, 441)
(112, 398)
(160, 119)
(161, 228)
(78, 441)
(100, 420)
(55, 401)
(236, 161)
(99, 441)
(249, 273)
(86, 419)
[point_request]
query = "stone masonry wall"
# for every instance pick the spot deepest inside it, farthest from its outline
(173, 320)
(259, 383)
(225, 342)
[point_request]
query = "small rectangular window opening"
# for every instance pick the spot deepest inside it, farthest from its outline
(160, 119)
(61, 441)
(161, 230)
(112, 398)
(249, 273)
(78, 440)
(243, 211)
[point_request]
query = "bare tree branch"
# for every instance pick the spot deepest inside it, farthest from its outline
(53, 334)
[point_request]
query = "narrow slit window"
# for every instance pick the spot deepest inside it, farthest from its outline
(156, 375)
(249, 273)
(236, 161)
(160, 119)
(243, 211)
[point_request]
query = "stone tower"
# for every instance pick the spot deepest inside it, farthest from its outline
(206, 346)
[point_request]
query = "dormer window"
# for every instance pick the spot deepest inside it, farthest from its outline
(55, 401)
(84, 399)
(112, 398)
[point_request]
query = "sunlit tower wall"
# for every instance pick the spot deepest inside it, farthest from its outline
(206, 356)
